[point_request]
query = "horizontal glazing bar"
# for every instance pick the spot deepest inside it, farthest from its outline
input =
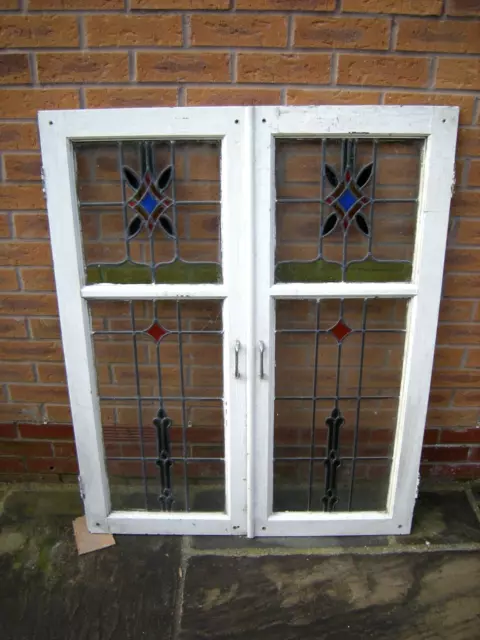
(168, 333)
(319, 201)
(344, 290)
(330, 329)
(152, 291)
(323, 458)
(178, 459)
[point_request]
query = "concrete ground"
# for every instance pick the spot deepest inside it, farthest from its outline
(424, 586)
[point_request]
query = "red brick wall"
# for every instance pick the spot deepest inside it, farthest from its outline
(121, 53)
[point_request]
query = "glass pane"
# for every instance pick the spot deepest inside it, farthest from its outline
(338, 367)
(346, 209)
(160, 383)
(150, 211)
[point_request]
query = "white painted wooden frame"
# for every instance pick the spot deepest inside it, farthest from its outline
(233, 126)
(438, 127)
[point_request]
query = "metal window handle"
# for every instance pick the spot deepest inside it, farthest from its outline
(237, 350)
(261, 347)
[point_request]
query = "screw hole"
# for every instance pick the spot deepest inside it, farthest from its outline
(264, 119)
(236, 121)
(97, 524)
(264, 528)
(51, 122)
(236, 527)
(52, 468)
(399, 526)
(444, 120)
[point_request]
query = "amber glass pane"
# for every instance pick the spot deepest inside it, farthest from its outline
(346, 209)
(160, 383)
(150, 211)
(338, 369)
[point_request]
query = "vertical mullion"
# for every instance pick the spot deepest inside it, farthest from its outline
(124, 198)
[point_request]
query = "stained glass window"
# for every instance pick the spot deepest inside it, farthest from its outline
(337, 383)
(150, 211)
(160, 383)
(346, 209)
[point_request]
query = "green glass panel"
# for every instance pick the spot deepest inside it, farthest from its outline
(173, 273)
(320, 271)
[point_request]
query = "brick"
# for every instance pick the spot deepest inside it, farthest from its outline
(64, 450)
(22, 197)
(41, 351)
(473, 358)
(12, 328)
(14, 372)
(414, 7)
(36, 279)
(466, 203)
(14, 412)
(461, 285)
(14, 68)
(45, 328)
(341, 33)
(458, 436)
(331, 96)
(8, 280)
(468, 231)
(467, 398)
(5, 225)
(452, 417)
(445, 454)
(463, 8)
(23, 167)
(473, 176)
(18, 448)
(38, 31)
(31, 225)
(466, 103)
(183, 67)
(298, 68)
(456, 379)
(46, 432)
(28, 304)
(238, 30)
(51, 465)
(458, 73)
(103, 98)
(286, 5)
(59, 413)
(131, 31)
(82, 67)
(235, 96)
(459, 334)
(178, 5)
(459, 36)
(72, 5)
(455, 310)
(25, 253)
(448, 357)
(38, 393)
(463, 259)
(12, 465)
(8, 431)
(25, 103)
(52, 373)
(468, 142)
(383, 70)
(18, 137)
(10, 5)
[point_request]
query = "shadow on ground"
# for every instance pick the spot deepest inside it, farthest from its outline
(423, 586)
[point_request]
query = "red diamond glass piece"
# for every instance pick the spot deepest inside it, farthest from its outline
(156, 331)
(340, 330)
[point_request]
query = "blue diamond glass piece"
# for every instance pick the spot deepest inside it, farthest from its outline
(346, 200)
(149, 202)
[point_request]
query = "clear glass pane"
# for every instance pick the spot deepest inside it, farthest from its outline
(338, 368)
(346, 209)
(160, 383)
(150, 211)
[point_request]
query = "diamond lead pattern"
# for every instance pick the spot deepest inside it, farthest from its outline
(340, 330)
(156, 331)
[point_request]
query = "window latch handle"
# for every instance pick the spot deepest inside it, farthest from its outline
(261, 348)
(237, 351)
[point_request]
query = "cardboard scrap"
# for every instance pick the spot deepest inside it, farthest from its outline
(86, 541)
